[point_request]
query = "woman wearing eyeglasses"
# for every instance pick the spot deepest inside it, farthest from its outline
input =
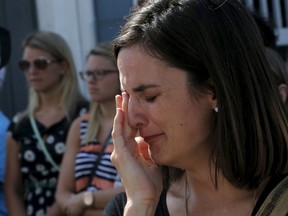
(88, 179)
(36, 137)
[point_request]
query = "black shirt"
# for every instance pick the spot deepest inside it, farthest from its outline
(116, 206)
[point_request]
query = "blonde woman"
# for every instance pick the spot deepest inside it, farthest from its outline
(88, 178)
(36, 137)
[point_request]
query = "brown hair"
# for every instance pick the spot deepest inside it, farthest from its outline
(219, 46)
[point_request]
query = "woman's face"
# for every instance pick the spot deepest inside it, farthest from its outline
(42, 80)
(176, 126)
(105, 87)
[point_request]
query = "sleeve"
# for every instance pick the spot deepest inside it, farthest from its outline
(11, 130)
(19, 126)
(116, 206)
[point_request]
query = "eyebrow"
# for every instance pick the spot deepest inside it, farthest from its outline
(142, 88)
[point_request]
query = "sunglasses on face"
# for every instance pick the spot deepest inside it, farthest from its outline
(97, 74)
(40, 63)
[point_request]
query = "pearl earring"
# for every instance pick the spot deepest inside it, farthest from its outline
(216, 109)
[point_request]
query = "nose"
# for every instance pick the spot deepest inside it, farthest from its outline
(32, 69)
(137, 114)
(90, 79)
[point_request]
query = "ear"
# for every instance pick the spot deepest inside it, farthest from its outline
(214, 104)
(283, 90)
(213, 99)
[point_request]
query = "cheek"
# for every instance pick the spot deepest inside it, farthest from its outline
(181, 115)
(158, 114)
(56, 77)
(26, 75)
(53, 74)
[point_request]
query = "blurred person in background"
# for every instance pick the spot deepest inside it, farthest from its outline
(4, 121)
(36, 137)
(275, 60)
(88, 178)
(278, 67)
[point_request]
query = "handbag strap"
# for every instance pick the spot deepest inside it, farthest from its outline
(41, 143)
(276, 204)
(101, 153)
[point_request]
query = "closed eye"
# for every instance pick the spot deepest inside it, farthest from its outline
(150, 99)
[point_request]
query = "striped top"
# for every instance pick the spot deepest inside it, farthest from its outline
(105, 176)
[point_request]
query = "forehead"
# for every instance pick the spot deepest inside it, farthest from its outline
(99, 61)
(138, 68)
(30, 52)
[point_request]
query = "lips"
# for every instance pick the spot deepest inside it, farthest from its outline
(34, 80)
(93, 90)
(152, 138)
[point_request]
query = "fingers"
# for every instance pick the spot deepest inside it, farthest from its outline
(118, 125)
(117, 133)
(123, 134)
(119, 117)
(129, 131)
(144, 150)
(118, 99)
(127, 128)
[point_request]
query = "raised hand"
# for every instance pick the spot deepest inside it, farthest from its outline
(140, 175)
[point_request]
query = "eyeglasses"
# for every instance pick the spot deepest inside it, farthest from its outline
(40, 63)
(97, 74)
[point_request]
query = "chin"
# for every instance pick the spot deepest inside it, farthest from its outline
(158, 158)
(38, 90)
(95, 98)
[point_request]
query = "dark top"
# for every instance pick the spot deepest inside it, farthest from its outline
(38, 175)
(116, 206)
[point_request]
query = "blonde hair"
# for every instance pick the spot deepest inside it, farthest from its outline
(102, 49)
(56, 46)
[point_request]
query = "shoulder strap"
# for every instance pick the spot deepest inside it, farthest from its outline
(41, 143)
(98, 160)
(276, 204)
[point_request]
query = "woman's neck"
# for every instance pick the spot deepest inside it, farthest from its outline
(199, 196)
(50, 100)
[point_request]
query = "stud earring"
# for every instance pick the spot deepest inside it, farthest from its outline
(216, 109)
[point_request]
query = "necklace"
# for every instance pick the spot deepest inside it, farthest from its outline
(187, 196)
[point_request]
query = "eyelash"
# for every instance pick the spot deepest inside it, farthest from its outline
(150, 99)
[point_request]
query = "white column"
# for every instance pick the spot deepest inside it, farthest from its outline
(264, 11)
(75, 21)
(276, 7)
(134, 2)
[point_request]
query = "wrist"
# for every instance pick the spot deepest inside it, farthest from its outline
(139, 208)
(88, 199)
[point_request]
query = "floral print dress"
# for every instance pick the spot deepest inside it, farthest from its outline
(38, 175)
